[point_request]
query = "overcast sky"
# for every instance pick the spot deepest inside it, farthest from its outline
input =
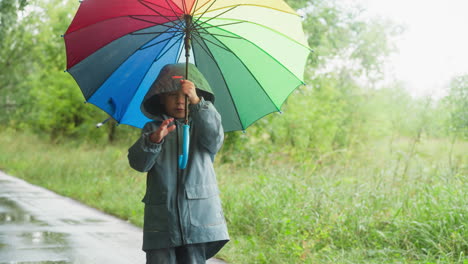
(434, 47)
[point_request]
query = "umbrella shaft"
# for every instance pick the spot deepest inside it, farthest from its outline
(188, 35)
(188, 28)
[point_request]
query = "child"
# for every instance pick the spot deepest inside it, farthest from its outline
(183, 221)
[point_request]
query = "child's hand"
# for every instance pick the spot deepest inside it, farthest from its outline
(162, 131)
(188, 88)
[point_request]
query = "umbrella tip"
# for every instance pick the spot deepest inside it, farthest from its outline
(280, 112)
(243, 131)
(65, 70)
(102, 123)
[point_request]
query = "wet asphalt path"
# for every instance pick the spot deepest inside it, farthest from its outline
(38, 226)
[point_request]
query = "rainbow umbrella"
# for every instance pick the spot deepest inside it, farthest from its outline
(252, 53)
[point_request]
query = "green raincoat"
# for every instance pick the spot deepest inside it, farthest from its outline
(181, 206)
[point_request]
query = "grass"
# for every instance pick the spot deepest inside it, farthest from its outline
(362, 211)
(380, 206)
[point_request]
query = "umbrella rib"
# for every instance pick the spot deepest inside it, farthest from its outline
(211, 18)
(216, 44)
(204, 12)
(219, 35)
(194, 8)
(224, 80)
(175, 25)
(207, 52)
(154, 44)
(154, 4)
(149, 33)
(157, 12)
(148, 3)
(163, 53)
(221, 25)
(184, 7)
(173, 11)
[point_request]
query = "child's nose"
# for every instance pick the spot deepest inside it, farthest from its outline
(181, 99)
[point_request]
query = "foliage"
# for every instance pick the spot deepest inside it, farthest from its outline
(343, 40)
(296, 4)
(9, 10)
(457, 106)
(308, 125)
(15, 32)
(55, 104)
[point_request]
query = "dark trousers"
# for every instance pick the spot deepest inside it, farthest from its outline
(188, 254)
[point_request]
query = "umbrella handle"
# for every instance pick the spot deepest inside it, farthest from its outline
(183, 159)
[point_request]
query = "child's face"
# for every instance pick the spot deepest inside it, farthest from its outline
(174, 103)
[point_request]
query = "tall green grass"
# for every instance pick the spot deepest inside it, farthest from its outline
(389, 202)
(363, 210)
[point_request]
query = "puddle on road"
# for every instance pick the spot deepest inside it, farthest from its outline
(85, 221)
(11, 213)
(90, 220)
(45, 238)
(70, 221)
(19, 246)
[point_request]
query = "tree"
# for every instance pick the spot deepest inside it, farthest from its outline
(457, 105)
(55, 103)
(342, 39)
(14, 50)
(9, 14)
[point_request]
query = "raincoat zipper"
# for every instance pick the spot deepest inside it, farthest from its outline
(179, 178)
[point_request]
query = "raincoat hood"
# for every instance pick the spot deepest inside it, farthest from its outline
(168, 80)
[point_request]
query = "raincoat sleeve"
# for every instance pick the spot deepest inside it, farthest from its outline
(142, 155)
(208, 122)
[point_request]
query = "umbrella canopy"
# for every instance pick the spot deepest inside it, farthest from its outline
(252, 53)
